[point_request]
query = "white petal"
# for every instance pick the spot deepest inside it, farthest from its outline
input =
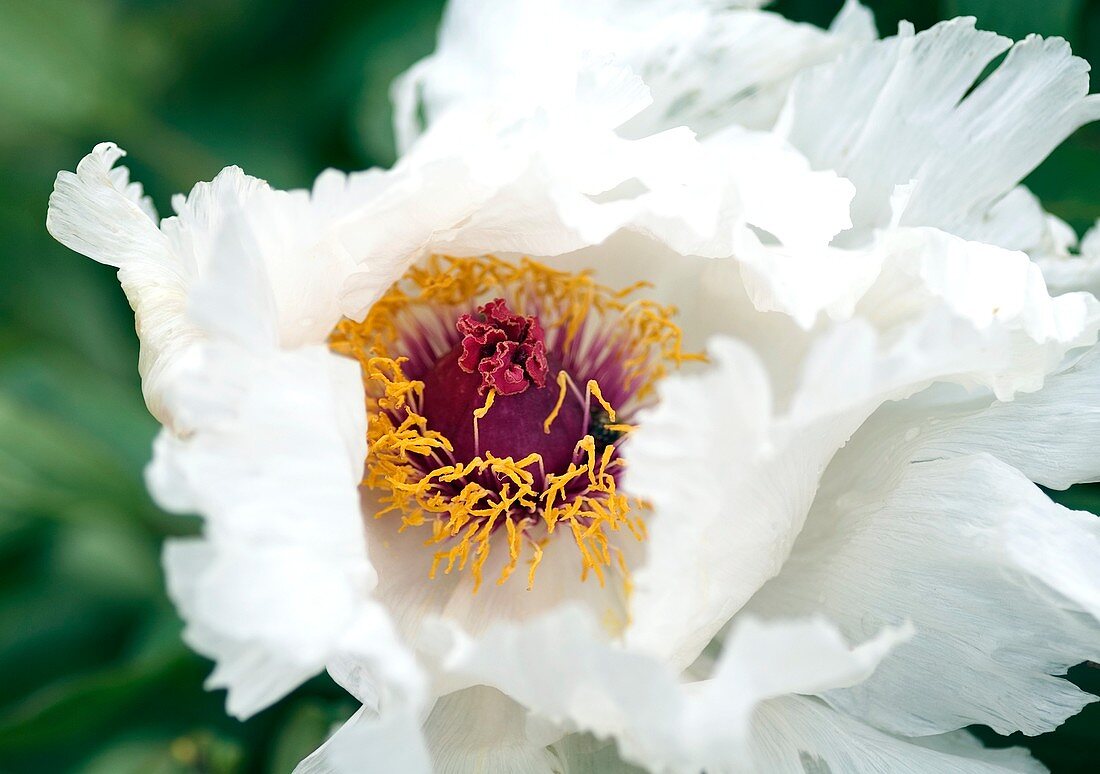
(561, 667)
(1000, 293)
(237, 259)
(202, 213)
(731, 458)
(372, 663)
(98, 213)
(1017, 221)
(1065, 273)
(480, 729)
(686, 552)
(799, 735)
(563, 180)
(256, 676)
(738, 67)
(762, 661)
(275, 434)
(782, 195)
(707, 65)
(906, 110)
(368, 742)
(266, 282)
(993, 576)
(1048, 435)
(966, 745)
(273, 465)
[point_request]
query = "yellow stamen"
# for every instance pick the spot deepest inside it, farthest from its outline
(535, 561)
(481, 412)
(413, 467)
(594, 389)
(562, 380)
(620, 428)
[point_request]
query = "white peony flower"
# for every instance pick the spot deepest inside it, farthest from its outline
(447, 448)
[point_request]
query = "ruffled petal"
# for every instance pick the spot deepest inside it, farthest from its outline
(96, 211)
(541, 160)
(997, 580)
(265, 282)
(797, 734)
(219, 596)
(906, 112)
(999, 292)
(369, 742)
(233, 241)
(1066, 273)
(754, 441)
(706, 65)
(1047, 435)
(281, 578)
(560, 666)
(481, 729)
(203, 213)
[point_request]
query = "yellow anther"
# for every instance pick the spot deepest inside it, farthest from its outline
(413, 466)
(535, 561)
(593, 388)
(481, 412)
(620, 428)
(563, 379)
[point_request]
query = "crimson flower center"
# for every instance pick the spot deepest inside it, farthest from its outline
(487, 426)
(504, 352)
(507, 350)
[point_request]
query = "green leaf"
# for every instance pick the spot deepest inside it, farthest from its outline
(1083, 497)
(52, 60)
(1019, 18)
(118, 561)
(78, 706)
(51, 468)
(134, 757)
(58, 384)
(199, 753)
(306, 727)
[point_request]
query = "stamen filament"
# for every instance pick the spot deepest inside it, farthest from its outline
(562, 376)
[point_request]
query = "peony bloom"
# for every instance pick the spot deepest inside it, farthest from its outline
(677, 401)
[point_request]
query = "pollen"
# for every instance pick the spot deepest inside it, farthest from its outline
(480, 434)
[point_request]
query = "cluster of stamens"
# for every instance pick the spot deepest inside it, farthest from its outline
(500, 421)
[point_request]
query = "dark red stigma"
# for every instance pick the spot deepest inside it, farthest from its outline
(508, 350)
(505, 352)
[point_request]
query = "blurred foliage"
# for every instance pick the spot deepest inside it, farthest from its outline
(96, 679)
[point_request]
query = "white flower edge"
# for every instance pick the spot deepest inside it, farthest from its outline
(731, 458)
(905, 112)
(748, 715)
(839, 477)
(707, 66)
(97, 212)
(936, 490)
(560, 667)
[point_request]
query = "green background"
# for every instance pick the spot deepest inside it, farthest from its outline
(94, 676)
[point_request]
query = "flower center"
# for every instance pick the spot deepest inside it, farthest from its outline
(505, 353)
(498, 422)
(506, 350)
